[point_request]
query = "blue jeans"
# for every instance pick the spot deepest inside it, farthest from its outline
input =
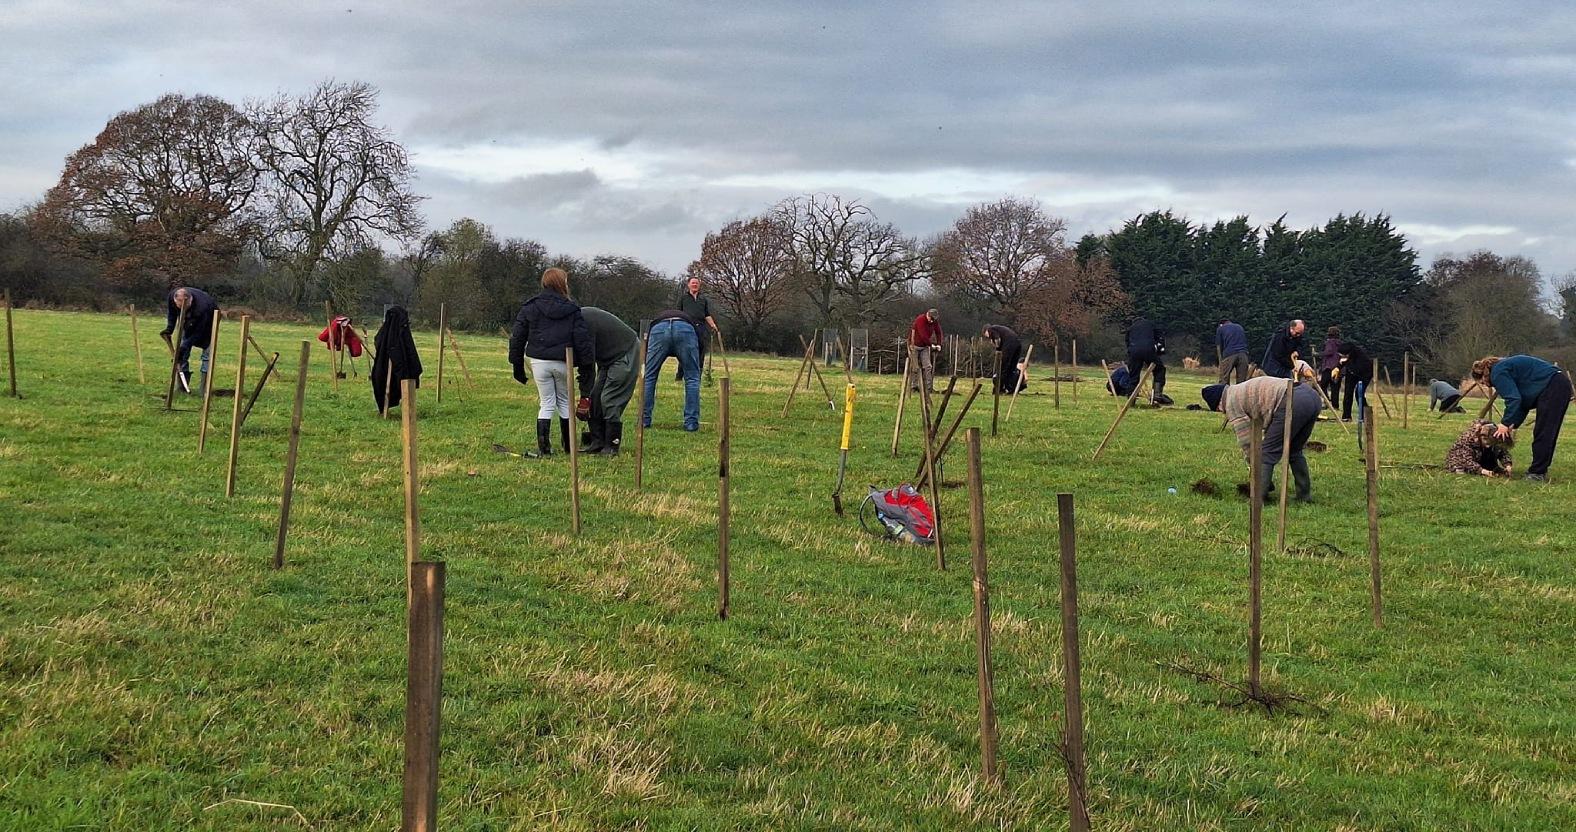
(185, 355)
(677, 339)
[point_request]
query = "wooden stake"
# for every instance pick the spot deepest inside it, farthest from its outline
(1371, 456)
(1077, 379)
(288, 491)
(722, 350)
(388, 389)
(235, 410)
(920, 475)
(816, 370)
(1144, 374)
(443, 326)
(995, 405)
(1018, 385)
(10, 346)
(987, 684)
(175, 352)
(722, 499)
(454, 343)
(1285, 487)
(930, 467)
(640, 413)
(946, 399)
(902, 402)
(1072, 673)
(142, 375)
(1255, 553)
(333, 354)
(1057, 352)
(407, 420)
(574, 445)
(1375, 385)
(423, 696)
(268, 370)
(1110, 385)
(207, 382)
(796, 379)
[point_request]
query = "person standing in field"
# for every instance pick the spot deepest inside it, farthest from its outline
(1284, 348)
(1526, 383)
(1011, 349)
(1356, 368)
(1146, 346)
(926, 337)
(546, 325)
(1330, 366)
(617, 350)
(697, 307)
(674, 333)
(1264, 399)
(1233, 344)
(196, 331)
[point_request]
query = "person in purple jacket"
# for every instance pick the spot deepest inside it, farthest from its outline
(1329, 364)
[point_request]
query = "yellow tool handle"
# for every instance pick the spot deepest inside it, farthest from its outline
(848, 415)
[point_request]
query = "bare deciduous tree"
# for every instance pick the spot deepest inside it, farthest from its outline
(1000, 253)
(335, 178)
(161, 196)
(749, 266)
(844, 257)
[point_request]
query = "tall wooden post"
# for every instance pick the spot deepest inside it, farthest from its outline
(574, 445)
(333, 354)
(1077, 379)
(902, 401)
(722, 501)
(995, 405)
(10, 345)
(1126, 403)
(175, 354)
(987, 684)
(235, 410)
(1072, 673)
(443, 327)
(288, 491)
(1285, 466)
(207, 381)
(1371, 457)
(1017, 386)
(459, 357)
(407, 421)
(136, 341)
(1255, 552)
(640, 412)
(1375, 386)
(1057, 352)
(930, 467)
(1406, 390)
(423, 696)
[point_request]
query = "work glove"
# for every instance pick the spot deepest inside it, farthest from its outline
(583, 408)
(519, 373)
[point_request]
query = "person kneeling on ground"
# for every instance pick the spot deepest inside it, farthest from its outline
(1525, 384)
(1212, 395)
(617, 349)
(1445, 396)
(1264, 399)
(1478, 451)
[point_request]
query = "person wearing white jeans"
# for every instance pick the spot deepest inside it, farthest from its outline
(552, 387)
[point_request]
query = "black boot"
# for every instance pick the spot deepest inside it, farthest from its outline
(613, 433)
(544, 433)
(596, 437)
(1299, 475)
(563, 433)
(1267, 478)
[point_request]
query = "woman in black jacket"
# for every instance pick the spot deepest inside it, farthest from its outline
(1355, 367)
(547, 325)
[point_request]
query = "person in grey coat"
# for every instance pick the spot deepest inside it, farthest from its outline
(1445, 396)
(617, 347)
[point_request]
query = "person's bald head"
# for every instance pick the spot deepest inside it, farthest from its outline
(1298, 327)
(183, 297)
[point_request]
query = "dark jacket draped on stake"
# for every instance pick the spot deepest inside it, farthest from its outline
(394, 346)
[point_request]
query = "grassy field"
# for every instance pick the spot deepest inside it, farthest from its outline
(155, 673)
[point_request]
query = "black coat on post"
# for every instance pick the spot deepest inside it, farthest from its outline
(396, 348)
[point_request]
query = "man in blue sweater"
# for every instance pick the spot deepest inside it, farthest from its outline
(1233, 344)
(1527, 383)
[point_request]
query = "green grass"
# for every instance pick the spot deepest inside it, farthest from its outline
(152, 666)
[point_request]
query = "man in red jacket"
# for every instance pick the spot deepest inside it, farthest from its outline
(926, 338)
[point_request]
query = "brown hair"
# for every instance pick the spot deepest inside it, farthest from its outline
(1482, 367)
(1333, 332)
(557, 280)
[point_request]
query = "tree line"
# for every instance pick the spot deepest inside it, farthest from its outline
(280, 204)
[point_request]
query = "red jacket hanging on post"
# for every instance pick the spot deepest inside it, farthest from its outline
(339, 335)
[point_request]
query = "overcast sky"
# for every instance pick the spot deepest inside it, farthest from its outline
(634, 128)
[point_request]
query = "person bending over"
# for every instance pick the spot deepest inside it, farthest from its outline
(1146, 344)
(617, 349)
(1011, 350)
(196, 331)
(1264, 399)
(1445, 396)
(1526, 383)
(1283, 348)
(1356, 368)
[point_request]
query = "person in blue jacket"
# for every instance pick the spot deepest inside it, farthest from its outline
(1232, 342)
(1526, 383)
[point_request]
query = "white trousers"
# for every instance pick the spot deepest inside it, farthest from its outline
(552, 386)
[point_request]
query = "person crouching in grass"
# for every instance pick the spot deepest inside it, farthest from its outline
(1526, 383)
(1479, 452)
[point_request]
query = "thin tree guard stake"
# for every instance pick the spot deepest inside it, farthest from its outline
(1057, 384)
(459, 358)
(443, 326)
(1018, 385)
(722, 350)
(10, 346)
(1406, 390)
(175, 352)
(902, 402)
(723, 510)
(995, 405)
(333, 354)
(1123, 412)
(136, 341)
(1110, 385)
(640, 414)
(796, 379)
(921, 477)
(930, 469)
(407, 419)
(946, 399)
(574, 444)
(1255, 553)
(1375, 588)
(816, 370)
(235, 410)
(207, 382)
(1285, 466)
(1077, 379)
(287, 493)
(388, 389)
(842, 461)
(1375, 385)
(423, 696)
(1072, 673)
(987, 684)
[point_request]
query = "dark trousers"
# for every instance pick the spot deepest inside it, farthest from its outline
(1551, 406)
(1007, 381)
(1331, 387)
(1349, 384)
(1305, 407)
(1137, 361)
